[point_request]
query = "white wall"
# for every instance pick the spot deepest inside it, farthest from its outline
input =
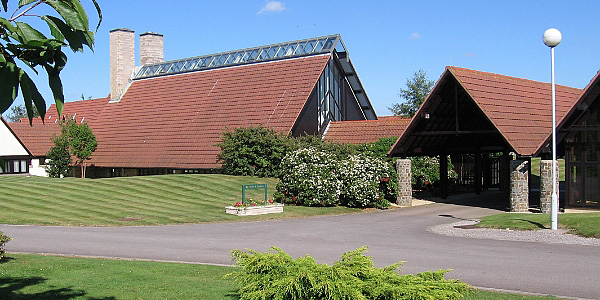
(35, 168)
(9, 144)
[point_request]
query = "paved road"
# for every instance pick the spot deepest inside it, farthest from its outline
(395, 235)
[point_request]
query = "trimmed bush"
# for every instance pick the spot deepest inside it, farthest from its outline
(278, 276)
(308, 178)
(253, 151)
(3, 240)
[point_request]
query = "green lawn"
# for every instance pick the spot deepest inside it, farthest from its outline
(25, 276)
(142, 200)
(585, 224)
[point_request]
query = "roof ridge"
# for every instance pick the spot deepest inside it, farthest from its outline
(490, 74)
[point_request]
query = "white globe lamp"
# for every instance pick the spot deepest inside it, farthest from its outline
(552, 37)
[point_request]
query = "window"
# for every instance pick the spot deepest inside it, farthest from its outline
(329, 93)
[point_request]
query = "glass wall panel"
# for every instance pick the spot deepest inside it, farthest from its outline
(592, 186)
(576, 185)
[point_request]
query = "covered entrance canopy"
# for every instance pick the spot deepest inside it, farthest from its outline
(478, 113)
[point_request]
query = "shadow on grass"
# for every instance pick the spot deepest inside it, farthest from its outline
(5, 259)
(10, 287)
(233, 295)
(540, 225)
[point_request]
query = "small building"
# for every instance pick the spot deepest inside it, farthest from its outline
(494, 122)
(37, 139)
(14, 154)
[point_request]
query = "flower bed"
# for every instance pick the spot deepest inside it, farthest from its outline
(254, 210)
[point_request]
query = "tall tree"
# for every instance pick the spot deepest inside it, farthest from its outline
(417, 89)
(20, 42)
(17, 112)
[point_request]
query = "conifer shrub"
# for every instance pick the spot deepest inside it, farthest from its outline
(3, 240)
(276, 275)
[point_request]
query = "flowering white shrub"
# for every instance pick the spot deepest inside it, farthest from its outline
(308, 177)
(364, 181)
(314, 177)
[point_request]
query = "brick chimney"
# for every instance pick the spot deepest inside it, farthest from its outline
(122, 60)
(151, 48)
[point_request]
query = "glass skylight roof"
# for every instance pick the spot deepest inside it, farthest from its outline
(305, 47)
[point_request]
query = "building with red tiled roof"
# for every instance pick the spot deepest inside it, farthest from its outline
(366, 131)
(169, 116)
(15, 156)
(37, 138)
(480, 120)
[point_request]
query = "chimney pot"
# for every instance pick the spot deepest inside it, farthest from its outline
(151, 48)
(122, 60)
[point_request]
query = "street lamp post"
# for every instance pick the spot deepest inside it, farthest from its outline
(552, 38)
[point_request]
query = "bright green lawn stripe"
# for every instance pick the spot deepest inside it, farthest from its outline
(62, 198)
(42, 205)
(162, 195)
(110, 207)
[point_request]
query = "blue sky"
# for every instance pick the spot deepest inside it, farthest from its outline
(387, 40)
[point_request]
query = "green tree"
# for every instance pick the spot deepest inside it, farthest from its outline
(20, 42)
(417, 89)
(76, 140)
(59, 157)
(17, 112)
(253, 151)
(82, 143)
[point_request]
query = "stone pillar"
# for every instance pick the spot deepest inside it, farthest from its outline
(122, 61)
(546, 185)
(444, 175)
(519, 186)
(403, 167)
(151, 48)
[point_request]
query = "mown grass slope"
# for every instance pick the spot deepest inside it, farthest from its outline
(142, 200)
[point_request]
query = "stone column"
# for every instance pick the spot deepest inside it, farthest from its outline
(403, 167)
(519, 185)
(546, 185)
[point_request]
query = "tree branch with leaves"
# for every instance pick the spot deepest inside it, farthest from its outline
(20, 42)
(417, 89)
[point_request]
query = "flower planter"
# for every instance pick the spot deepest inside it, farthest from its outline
(254, 210)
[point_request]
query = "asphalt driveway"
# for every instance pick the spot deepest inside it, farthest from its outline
(394, 235)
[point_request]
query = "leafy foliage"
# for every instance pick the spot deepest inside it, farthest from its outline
(278, 276)
(17, 112)
(59, 158)
(308, 178)
(82, 142)
(76, 140)
(3, 240)
(20, 42)
(417, 89)
(426, 171)
(315, 177)
(253, 151)
(364, 181)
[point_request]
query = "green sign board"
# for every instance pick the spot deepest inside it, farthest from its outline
(253, 187)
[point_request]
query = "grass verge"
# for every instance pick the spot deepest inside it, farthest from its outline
(25, 276)
(141, 200)
(585, 224)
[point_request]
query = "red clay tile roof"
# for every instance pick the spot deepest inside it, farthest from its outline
(36, 138)
(176, 121)
(366, 131)
(519, 108)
